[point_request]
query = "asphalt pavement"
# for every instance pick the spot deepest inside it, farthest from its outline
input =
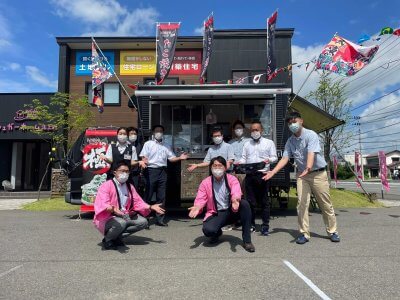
(373, 187)
(52, 255)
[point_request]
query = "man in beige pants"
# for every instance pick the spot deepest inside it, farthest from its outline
(304, 147)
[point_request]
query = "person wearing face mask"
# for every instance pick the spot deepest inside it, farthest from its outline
(121, 151)
(312, 177)
(133, 139)
(119, 210)
(155, 156)
(259, 153)
(220, 148)
(220, 195)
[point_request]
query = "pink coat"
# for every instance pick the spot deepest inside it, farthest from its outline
(107, 197)
(204, 197)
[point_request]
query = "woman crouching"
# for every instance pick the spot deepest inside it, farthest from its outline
(220, 195)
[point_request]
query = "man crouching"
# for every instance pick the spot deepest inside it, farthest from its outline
(220, 194)
(119, 210)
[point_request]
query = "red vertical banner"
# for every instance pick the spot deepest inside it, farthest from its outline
(335, 166)
(383, 170)
(167, 35)
(208, 37)
(358, 167)
(271, 64)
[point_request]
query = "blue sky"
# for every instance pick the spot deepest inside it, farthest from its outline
(29, 52)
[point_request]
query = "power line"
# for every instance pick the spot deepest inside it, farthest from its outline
(376, 99)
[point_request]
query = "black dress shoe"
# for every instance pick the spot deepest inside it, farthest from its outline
(108, 245)
(249, 247)
(214, 240)
(119, 242)
(162, 223)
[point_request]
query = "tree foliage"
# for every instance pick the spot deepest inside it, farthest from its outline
(69, 114)
(329, 96)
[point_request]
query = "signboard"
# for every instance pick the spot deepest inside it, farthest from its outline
(95, 169)
(83, 62)
(138, 62)
(186, 63)
(24, 119)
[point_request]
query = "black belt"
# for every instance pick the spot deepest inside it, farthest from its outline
(319, 170)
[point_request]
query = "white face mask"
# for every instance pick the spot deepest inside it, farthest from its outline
(133, 138)
(158, 135)
(239, 132)
(217, 140)
(294, 127)
(123, 177)
(122, 138)
(255, 135)
(217, 172)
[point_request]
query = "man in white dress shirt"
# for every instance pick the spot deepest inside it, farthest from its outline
(258, 151)
(155, 156)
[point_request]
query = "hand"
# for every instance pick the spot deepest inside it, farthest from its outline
(268, 175)
(235, 205)
(304, 173)
(194, 211)
(143, 164)
(191, 167)
(145, 160)
(102, 156)
(266, 161)
(183, 156)
(117, 212)
(158, 209)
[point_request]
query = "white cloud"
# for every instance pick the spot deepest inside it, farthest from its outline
(108, 17)
(12, 86)
(199, 30)
(10, 67)
(5, 34)
(39, 77)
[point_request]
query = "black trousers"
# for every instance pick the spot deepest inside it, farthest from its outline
(257, 191)
(212, 226)
(156, 183)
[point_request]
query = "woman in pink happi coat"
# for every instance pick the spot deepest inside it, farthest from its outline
(220, 195)
(119, 210)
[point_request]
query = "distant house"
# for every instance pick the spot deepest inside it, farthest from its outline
(392, 162)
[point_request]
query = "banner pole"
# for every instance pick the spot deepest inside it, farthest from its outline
(112, 69)
(155, 75)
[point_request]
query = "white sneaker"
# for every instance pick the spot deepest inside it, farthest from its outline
(227, 228)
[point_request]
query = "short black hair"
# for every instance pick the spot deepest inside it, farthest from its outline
(122, 128)
(257, 122)
(120, 164)
(217, 129)
(129, 129)
(292, 115)
(219, 159)
(237, 122)
(157, 126)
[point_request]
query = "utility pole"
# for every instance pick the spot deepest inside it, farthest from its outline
(359, 144)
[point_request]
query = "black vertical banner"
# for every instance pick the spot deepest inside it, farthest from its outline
(207, 46)
(167, 35)
(271, 64)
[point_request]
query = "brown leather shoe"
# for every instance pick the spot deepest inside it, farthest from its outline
(249, 247)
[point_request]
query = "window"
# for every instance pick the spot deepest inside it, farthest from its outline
(111, 93)
(395, 159)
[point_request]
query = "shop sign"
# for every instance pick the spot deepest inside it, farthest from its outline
(186, 63)
(83, 62)
(20, 119)
(137, 62)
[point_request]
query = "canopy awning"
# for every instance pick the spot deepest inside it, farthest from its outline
(210, 90)
(314, 117)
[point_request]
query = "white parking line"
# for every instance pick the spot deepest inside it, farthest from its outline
(307, 281)
(9, 271)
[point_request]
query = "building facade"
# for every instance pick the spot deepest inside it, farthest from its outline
(24, 154)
